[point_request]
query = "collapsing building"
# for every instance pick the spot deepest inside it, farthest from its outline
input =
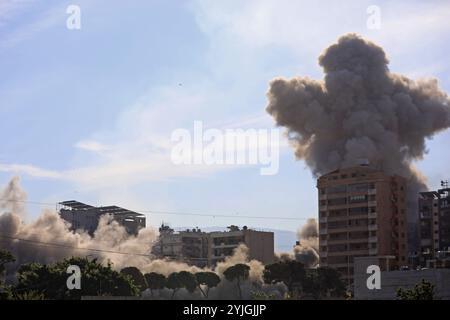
(207, 248)
(86, 217)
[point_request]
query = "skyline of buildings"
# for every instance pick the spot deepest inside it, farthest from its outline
(362, 213)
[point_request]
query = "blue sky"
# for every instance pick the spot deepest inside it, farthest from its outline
(88, 114)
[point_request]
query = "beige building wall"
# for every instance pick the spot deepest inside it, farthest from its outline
(261, 245)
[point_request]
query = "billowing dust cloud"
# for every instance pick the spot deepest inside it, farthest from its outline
(12, 197)
(360, 110)
(306, 250)
(49, 239)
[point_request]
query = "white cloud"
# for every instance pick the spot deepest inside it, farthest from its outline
(92, 146)
(30, 170)
(307, 27)
(138, 148)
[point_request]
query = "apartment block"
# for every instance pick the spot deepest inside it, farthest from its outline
(86, 217)
(190, 246)
(434, 224)
(208, 248)
(259, 243)
(362, 212)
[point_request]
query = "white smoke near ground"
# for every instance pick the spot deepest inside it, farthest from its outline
(360, 110)
(225, 290)
(49, 239)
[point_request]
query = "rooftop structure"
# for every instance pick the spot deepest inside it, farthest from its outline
(86, 217)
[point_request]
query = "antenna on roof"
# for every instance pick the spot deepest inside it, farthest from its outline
(444, 183)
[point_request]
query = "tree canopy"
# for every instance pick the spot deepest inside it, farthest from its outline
(208, 279)
(136, 276)
(421, 291)
(238, 272)
(51, 280)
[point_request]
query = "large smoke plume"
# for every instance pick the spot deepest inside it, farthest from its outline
(49, 239)
(360, 110)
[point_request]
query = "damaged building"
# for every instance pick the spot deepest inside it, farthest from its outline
(86, 217)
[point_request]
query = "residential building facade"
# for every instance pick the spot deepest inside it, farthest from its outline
(434, 224)
(362, 212)
(208, 248)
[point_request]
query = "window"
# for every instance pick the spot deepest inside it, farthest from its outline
(357, 199)
(337, 201)
(358, 187)
(337, 189)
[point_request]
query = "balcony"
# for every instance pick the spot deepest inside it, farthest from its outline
(372, 215)
(338, 241)
(225, 245)
(323, 242)
(323, 254)
(373, 239)
(323, 231)
(373, 252)
(372, 203)
(323, 219)
(373, 227)
(372, 191)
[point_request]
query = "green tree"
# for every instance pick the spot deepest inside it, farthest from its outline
(173, 283)
(5, 257)
(28, 295)
(208, 279)
(155, 281)
(136, 276)
(51, 280)
(323, 283)
(421, 291)
(291, 273)
(187, 281)
(238, 272)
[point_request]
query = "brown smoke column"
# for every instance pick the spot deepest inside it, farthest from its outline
(360, 110)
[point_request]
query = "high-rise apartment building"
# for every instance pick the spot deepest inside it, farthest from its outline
(362, 212)
(434, 223)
